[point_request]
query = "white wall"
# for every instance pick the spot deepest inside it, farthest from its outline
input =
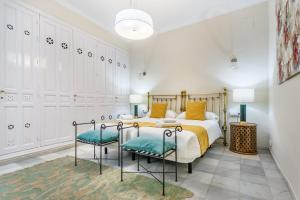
(196, 58)
(284, 116)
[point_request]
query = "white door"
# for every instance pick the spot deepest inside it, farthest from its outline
(18, 108)
(28, 23)
(56, 65)
(65, 80)
(84, 76)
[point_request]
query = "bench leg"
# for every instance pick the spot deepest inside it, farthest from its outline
(190, 168)
(133, 156)
(75, 152)
(121, 164)
(100, 160)
(94, 151)
(119, 153)
(163, 177)
(105, 150)
(148, 159)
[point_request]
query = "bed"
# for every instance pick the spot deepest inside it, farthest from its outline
(189, 147)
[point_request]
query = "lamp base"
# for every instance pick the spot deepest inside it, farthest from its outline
(136, 110)
(243, 112)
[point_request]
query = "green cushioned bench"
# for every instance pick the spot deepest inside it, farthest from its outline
(93, 136)
(150, 145)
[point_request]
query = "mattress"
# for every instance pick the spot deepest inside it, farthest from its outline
(188, 147)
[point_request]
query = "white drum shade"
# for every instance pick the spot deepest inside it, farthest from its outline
(243, 95)
(134, 24)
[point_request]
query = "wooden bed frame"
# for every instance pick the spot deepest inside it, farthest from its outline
(216, 102)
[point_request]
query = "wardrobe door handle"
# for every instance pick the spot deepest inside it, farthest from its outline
(110, 61)
(10, 126)
(10, 27)
(27, 125)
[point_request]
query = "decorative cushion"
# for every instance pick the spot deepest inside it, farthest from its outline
(94, 136)
(195, 110)
(148, 144)
(158, 110)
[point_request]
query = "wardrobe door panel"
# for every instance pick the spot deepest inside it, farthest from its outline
(100, 69)
(49, 128)
(89, 65)
(65, 59)
(66, 117)
(29, 52)
(11, 139)
(17, 86)
(126, 77)
(48, 55)
(10, 50)
(119, 76)
(28, 34)
(10, 81)
(110, 70)
(79, 63)
(49, 78)
(29, 127)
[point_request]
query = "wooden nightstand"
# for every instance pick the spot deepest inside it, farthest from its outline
(243, 138)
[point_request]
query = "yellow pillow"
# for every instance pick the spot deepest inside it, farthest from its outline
(195, 110)
(158, 110)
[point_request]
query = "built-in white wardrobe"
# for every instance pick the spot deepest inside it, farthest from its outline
(52, 74)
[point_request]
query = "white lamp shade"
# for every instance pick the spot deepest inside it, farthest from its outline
(243, 95)
(134, 24)
(136, 98)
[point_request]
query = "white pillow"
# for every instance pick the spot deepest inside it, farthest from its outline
(169, 114)
(208, 116)
(181, 116)
(126, 117)
(211, 116)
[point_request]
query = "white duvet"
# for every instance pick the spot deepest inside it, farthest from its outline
(188, 147)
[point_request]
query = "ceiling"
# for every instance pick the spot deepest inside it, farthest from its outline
(167, 14)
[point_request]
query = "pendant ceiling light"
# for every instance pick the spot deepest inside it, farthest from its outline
(134, 24)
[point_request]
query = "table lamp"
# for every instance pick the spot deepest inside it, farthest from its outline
(243, 96)
(135, 99)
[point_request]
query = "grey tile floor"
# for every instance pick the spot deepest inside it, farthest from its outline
(219, 175)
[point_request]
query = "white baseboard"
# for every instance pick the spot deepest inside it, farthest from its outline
(286, 179)
(35, 152)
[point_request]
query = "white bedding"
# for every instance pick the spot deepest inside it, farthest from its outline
(187, 142)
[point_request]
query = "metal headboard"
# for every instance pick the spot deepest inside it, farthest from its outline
(216, 102)
(171, 100)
